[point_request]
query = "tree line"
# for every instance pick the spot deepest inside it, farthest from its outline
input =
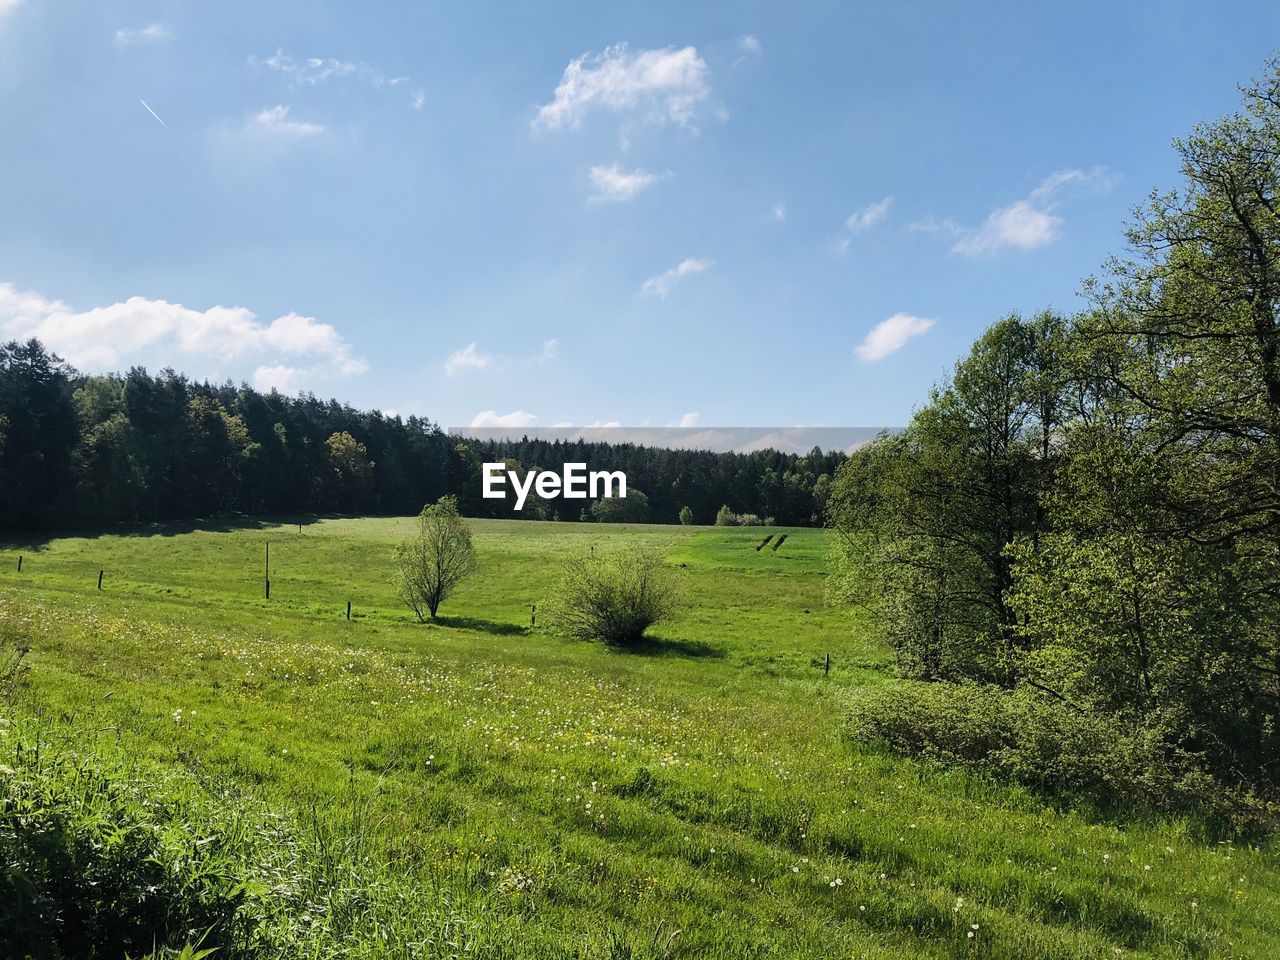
(1087, 511)
(83, 451)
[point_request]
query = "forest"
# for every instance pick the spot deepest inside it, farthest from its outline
(79, 451)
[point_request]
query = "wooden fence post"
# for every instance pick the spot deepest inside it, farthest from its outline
(348, 611)
(100, 573)
(827, 671)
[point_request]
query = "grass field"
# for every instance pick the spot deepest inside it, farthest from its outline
(549, 797)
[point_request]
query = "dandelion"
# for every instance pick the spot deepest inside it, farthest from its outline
(5, 769)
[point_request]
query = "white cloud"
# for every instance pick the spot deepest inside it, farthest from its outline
(612, 183)
(8, 6)
(213, 342)
(1021, 225)
(931, 224)
(661, 285)
(312, 71)
(151, 33)
(279, 377)
(491, 418)
(548, 352)
(778, 212)
(275, 122)
(663, 86)
(315, 71)
(868, 216)
(468, 358)
(749, 43)
(688, 420)
(891, 335)
(1029, 223)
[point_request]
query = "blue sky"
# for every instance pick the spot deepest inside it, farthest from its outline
(644, 213)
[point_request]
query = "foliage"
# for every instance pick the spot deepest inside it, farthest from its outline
(727, 518)
(925, 516)
(616, 596)
(438, 557)
(1056, 748)
(686, 516)
(1090, 506)
(633, 508)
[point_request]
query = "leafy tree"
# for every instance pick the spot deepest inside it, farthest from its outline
(633, 508)
(437, 558)
(724, 517)
(926, 518)
(352, 469)
(686, 516)
(40, 433)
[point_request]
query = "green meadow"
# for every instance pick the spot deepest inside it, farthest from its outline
(545, 797)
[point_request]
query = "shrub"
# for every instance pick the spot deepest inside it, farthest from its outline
(1026, 736)
(633, 508)
(614, 597)
(438, 557)
(727, 518)
(686, 516)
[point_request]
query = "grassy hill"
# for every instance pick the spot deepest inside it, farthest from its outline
(549, 797)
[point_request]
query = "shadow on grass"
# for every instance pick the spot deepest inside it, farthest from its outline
(38, 540)
(481, 625)
(669, 647)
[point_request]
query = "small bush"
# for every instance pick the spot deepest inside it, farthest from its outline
(1026, 736)
(614, 597)
(727, 518)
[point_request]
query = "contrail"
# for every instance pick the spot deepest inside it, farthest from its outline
(154, 114)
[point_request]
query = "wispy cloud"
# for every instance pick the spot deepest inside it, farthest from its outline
(548, 351)
(660, 86)
(8, 6)
(311, 71)
(688, 420)
(661, 285)
(218, 341)
(468, 358)
(891, 335)
(1028, 223)
(778, 212)
(863, 220)
(491, 418)
(315, 71)
(749, 43)
(945, 226)
(151, 33)
(275, 122)
(612, 184)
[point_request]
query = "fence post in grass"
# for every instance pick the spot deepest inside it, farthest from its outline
(267, 577)
(533, 615)
(348, 611)
(19, 563)
(827, 670)
(100, 572)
